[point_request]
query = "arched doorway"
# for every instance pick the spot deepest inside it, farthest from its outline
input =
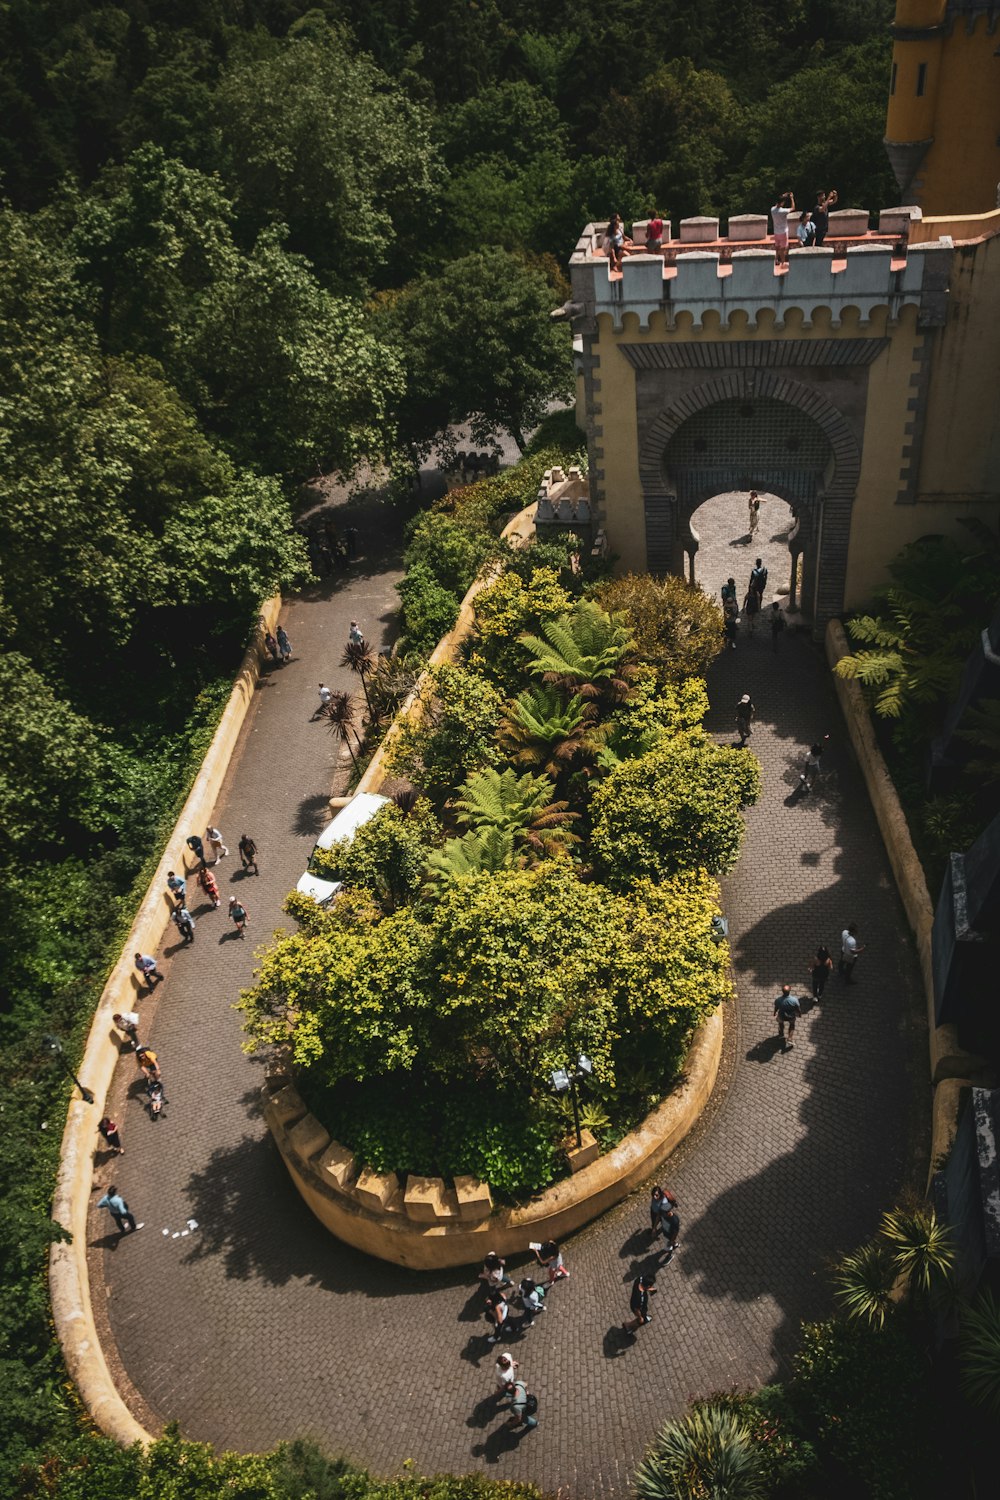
(753, 430)
(724, 546)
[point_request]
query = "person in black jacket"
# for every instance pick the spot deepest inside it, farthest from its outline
(643, 1287)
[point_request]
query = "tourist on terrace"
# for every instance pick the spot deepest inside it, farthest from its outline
(654, 234)
(806, 230)
(779, 217)
(825, 204)
(618, 245)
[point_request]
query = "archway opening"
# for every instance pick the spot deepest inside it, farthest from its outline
(723, 545)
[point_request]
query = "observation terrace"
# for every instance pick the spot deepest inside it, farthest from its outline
(704, 272)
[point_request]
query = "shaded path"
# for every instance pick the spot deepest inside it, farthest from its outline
(258, 1326)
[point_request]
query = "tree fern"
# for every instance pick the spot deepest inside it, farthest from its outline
(586, 651)
(520, 806)
(980, 1353)
(491, 849)
(543, 729)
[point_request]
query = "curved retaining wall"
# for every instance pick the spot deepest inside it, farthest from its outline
(69, 1285)
(949, 1062)
(426, 1225)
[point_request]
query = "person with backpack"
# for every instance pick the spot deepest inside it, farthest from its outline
(523, 1407)
(665, 1219)
(758, 580)
(119, 1210)
(787, 1008)
(728, 591)
(532, 1300)
(643, 1287)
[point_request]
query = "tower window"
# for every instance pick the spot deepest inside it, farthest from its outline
(921, 80)
(892, 80)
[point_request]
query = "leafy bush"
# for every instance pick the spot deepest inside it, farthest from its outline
(678, 629)
(455, 735)
(428, 609)
(865, 1395)
(387, 856)
(676, 807)
(506, 610)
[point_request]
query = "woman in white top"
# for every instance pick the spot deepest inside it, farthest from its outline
(505, 1370)
(779, 217)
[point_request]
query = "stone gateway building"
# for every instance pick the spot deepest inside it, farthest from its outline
(860, 381)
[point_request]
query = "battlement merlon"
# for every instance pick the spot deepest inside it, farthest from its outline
(865, 278)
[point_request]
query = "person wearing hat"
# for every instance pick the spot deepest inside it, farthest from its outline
(745, 714)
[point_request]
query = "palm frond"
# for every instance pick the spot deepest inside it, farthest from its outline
(864, 1282)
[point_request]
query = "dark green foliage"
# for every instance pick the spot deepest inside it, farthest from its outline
(866, 1396)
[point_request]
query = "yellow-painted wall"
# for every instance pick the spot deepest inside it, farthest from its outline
(959, 110)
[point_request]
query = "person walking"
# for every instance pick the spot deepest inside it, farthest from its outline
(148, 970)
(197, 848)
(758, 580)
(177, 886)
(210, 886)
(119, 1210)
(776, 620)
(812, 766)
(109, 1130)
(643, 1287)
(728, 591)
(731, 624)
(745, 714)
(354, 635)
(494, 1273)
(248, 854)
(184, 922)
(324, 700)
(550, 1256)
(751, 608)
(497, 1314)
(532, 1300)
(238, 915)
(820, 970)
(271, 647)
(753, 505)
(667, 1219)
(214, 840)
(850, 952)
(284, 645)
(523, 1407)
(787, 1008)
(127, 1022)
(505, 1373)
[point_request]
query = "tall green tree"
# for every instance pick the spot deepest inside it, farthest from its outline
(479, 347)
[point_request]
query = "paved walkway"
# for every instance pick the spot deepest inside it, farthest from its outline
(258, 1326)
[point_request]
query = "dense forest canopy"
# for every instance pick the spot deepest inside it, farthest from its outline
(247, 242)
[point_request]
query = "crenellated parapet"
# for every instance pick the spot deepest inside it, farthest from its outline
(863, 276)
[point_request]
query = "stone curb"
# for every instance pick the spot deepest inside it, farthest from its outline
(948, 1060)
(69, 1286)
(388, 1233)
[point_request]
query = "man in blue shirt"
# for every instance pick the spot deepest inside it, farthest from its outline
(118, 1209)
(787, 1008)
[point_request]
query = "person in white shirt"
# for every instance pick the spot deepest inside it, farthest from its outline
(779, 217)
(324, 700)
(505, 1370)
(849, 952)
